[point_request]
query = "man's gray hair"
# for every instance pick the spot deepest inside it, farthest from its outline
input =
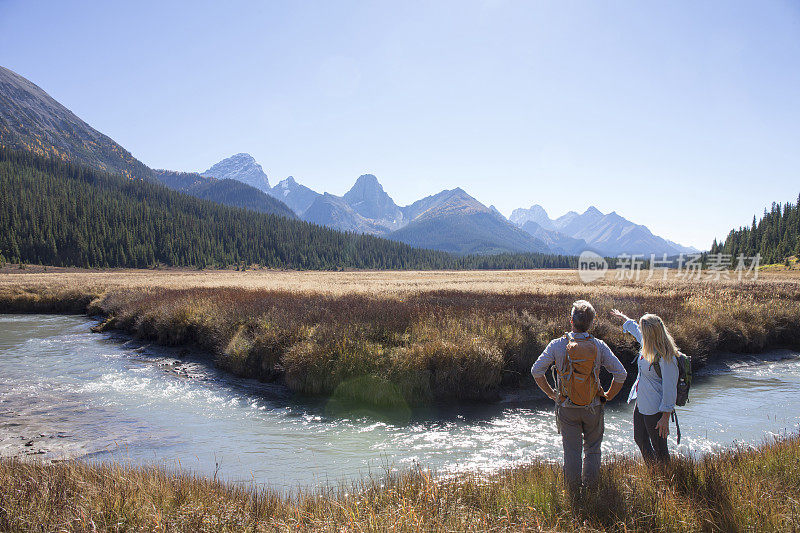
(582, 315)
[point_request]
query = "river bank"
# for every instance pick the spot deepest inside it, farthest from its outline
(408, 345)
(738, 489)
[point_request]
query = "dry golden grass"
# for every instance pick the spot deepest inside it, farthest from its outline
(736, 490)
(393, 338)
(341, 283)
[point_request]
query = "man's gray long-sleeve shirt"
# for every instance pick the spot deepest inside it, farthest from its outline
(556, 352)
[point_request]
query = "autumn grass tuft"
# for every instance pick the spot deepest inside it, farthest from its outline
(37, 299)
(736, 490)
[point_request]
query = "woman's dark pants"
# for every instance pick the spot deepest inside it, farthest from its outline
(652, 445)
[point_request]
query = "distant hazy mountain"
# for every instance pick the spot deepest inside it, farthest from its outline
(497, 211)
(30, 119)
(420, 206)
(241, 167)
(616, 235)
(555, 240)
(332, 211)
(609, 234)
(535, 213)
(298, 197)
(450, 221)
(564, 219)
(368, 199)
(573, 223)
(456, 222)
(223, 191)
(244, 168)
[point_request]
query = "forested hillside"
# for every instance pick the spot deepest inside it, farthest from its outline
(30, 119)
(776, 236)
(223, 191)
(58, 213)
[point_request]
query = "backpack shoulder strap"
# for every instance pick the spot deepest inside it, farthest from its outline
(655, 365)
(559, 368)
(597, 364)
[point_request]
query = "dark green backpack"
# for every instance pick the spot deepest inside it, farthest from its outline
(684, 378)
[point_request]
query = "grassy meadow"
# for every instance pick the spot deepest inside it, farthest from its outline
(735, 490)
(389, 338)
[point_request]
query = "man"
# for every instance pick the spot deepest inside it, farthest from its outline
(580, 398)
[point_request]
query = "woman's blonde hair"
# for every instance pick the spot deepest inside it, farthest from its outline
(656, 340)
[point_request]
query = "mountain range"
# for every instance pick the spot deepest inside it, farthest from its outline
(450, 220)
(609, 234)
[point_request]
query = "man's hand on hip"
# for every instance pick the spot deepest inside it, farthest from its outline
(546, 388)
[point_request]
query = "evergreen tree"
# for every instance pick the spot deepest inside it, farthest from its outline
(776, 236)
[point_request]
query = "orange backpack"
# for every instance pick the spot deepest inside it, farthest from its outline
(577, 379)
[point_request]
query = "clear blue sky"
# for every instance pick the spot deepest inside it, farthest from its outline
(684, 116)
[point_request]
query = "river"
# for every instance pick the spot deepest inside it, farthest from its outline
(66, 392)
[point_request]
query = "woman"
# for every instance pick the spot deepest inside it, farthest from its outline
(654, 394)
